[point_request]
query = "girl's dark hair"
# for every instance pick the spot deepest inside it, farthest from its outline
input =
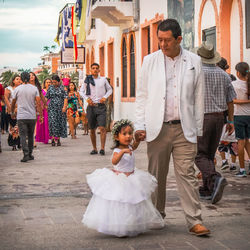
(170, 24)
(243, 69)
(43, 85)
(55, 78)
(37, 83)
(25, 77)
(12, 79)
(75, 89)
(117, 128)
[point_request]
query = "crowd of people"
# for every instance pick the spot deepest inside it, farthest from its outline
(39, 112)
(200, 109)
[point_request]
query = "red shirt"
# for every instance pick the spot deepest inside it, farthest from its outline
(1, 95)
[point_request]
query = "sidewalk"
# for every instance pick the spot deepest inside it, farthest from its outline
(42, 202)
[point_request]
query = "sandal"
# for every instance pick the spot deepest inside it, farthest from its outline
(93, 152)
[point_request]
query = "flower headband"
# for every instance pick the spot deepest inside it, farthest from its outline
(119, 124)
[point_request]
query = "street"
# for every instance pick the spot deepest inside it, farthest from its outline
(42, 203)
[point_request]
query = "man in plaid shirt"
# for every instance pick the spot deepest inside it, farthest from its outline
(219, 95)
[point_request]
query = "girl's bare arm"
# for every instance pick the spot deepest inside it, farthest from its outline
(117, 156)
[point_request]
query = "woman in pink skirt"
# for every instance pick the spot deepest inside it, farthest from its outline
(42, 129)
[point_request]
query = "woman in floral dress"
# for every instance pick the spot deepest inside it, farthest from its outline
(57, 110)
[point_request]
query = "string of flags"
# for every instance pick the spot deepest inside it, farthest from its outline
(74, 24)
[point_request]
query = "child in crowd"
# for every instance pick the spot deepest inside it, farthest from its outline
(242, 114)
(14, 138)
(121, 204)
(228, 145)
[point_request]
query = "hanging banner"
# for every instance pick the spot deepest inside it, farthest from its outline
(67, 36)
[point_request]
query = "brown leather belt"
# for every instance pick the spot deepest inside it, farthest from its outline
(173, 122)
(98, 104)
(215, 113)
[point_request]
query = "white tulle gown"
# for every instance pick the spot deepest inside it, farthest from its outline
(121, 205)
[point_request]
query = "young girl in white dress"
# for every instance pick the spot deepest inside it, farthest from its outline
(121, 203)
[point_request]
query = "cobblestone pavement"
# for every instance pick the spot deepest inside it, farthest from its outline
(42, 202)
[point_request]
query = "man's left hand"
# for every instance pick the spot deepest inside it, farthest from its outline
(103, 100)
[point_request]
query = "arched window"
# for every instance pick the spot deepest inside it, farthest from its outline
(124, 68)
(132, 67)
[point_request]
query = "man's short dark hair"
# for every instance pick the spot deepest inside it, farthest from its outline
(25, 77)
(95, 64)
(170, 24)
(55, 78)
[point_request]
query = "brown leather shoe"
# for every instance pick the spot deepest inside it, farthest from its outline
(199, 230)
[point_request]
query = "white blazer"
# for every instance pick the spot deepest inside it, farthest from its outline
(151, 92)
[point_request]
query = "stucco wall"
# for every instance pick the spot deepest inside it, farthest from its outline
(148, 9)
(235, 36)
(246, 52)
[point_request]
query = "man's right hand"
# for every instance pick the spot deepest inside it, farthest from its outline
(140, 135)
(90, 102)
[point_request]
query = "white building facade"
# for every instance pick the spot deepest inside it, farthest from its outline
(125, 31)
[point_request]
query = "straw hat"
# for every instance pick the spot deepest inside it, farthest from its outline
(207, 53)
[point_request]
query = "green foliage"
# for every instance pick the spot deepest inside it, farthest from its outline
(49, 49)
(46, 49)
(43, 75)
(75, 78)
(6, 77)
(53, 47)
(24, 70)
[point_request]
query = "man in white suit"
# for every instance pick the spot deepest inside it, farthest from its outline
(169, 113)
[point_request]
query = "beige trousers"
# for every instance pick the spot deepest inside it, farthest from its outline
(171, 140)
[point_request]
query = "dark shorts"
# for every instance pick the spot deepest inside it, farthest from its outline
(231, 147)
(242, 126)
(96, 116)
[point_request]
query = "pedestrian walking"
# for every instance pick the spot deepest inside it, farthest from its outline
(28, 99)
(66, 80)
(1, 99)
(95, 91)
(121, 204)
(219, 95)
(4, 121)
(242, 114)
(42, 129)
(57, 107)
(169, 114)
(8, 97)
(34, 81)
(13, 137)
(224, 66)
(72, 112)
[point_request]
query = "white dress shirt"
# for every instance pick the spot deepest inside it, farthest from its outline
(97, 92)
(172, 69)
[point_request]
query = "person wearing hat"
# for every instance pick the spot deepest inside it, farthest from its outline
(224, 66)
(219, 96)
(169, 115)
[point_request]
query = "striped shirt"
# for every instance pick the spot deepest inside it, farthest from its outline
(218, 89)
